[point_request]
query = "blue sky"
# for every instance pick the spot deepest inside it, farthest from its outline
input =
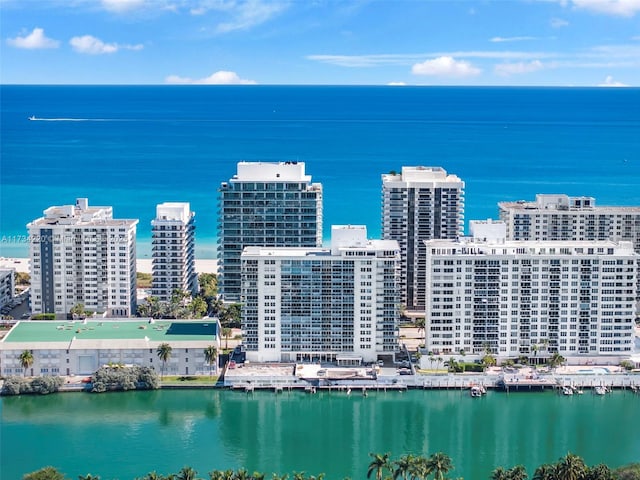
(347, 42)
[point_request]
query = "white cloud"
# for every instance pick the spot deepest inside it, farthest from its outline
(35, 40)
(558, 22)
(622, 8)
(610, 82)
(396, 84)
(94, 46)
(244, 14)
(510, 39)
(445, 67)
(412, 58)
(507, 69)
(221, 77)
(122, 5)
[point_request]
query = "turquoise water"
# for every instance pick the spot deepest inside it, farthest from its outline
(129, 434)
(133, 147)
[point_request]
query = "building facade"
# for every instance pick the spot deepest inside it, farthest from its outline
(311, 304)
(173, 251)
(531, 298)
(7, 286)
(418, 204)
(81, 254)
(269, 205)
(81, 347)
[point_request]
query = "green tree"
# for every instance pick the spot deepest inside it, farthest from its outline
(488, 361)
(600, 472)
(439, 463)
(46, 473)
(198, 307)
(556, 360)
(402, 467)
(571, 467)
(186, 473)
(517, 473)
(628, 472)
(500, 474)
(545, 472)
(211, 356)
(226, 333)
(78, 311)
(462, 362)
(164, 354)
(379, 464)
(420, 322)
(88, 476)
(26, 360)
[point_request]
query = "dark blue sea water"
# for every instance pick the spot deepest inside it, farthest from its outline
(135, 146)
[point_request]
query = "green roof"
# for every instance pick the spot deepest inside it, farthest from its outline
(158, 331)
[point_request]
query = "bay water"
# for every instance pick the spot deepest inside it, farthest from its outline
(126, 435)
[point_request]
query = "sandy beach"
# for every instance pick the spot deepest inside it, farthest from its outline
(142, 265)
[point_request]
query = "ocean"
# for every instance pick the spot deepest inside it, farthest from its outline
(133, 147)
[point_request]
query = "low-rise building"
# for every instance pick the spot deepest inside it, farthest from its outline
(81, 347)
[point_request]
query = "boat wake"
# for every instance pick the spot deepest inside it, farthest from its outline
(39, 119)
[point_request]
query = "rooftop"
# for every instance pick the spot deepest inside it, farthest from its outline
(66, 331)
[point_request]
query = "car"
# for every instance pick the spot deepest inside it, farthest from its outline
(404, 371)
(381, 363)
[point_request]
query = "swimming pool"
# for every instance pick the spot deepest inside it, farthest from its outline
(594, 371)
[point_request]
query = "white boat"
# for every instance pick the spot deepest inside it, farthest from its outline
(476, 391)
(32, 117)
(600, 390)
(567, 391)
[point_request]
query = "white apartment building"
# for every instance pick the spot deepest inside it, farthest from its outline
(418, 204)
(173, 250)
(81, 254)
(311, 304)
(268, 205)
(7, 286)
(560, 217)
(530, 298)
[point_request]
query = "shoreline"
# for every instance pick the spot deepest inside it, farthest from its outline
(143, 265)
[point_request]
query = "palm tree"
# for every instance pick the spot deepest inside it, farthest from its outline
(500, 474)
(242, 474)
(26, 360)
(432, 359)
(556, 360)
(571, 467)
(439, 463)
(88, 476)
(462, 354)
(517, 473)
(211, 356)
(164, 354)
(600, 472)
(186, 473)
(420, 322)
(545, 472)
(403, 466)
(379, 464)
(226, 333)
(439, 360)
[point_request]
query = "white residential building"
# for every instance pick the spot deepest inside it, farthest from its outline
(269, 205)
(81, 254)
(530, 298)
(338, 304)
(173, 250)
(560, 217)
(418, 204)
(7, 286)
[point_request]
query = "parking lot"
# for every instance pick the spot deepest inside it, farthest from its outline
(18, 308)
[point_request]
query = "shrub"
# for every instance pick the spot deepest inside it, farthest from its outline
(40, 385)
(118, 377)
(44, 316)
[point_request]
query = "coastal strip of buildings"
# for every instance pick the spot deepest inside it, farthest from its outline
(558, 275)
